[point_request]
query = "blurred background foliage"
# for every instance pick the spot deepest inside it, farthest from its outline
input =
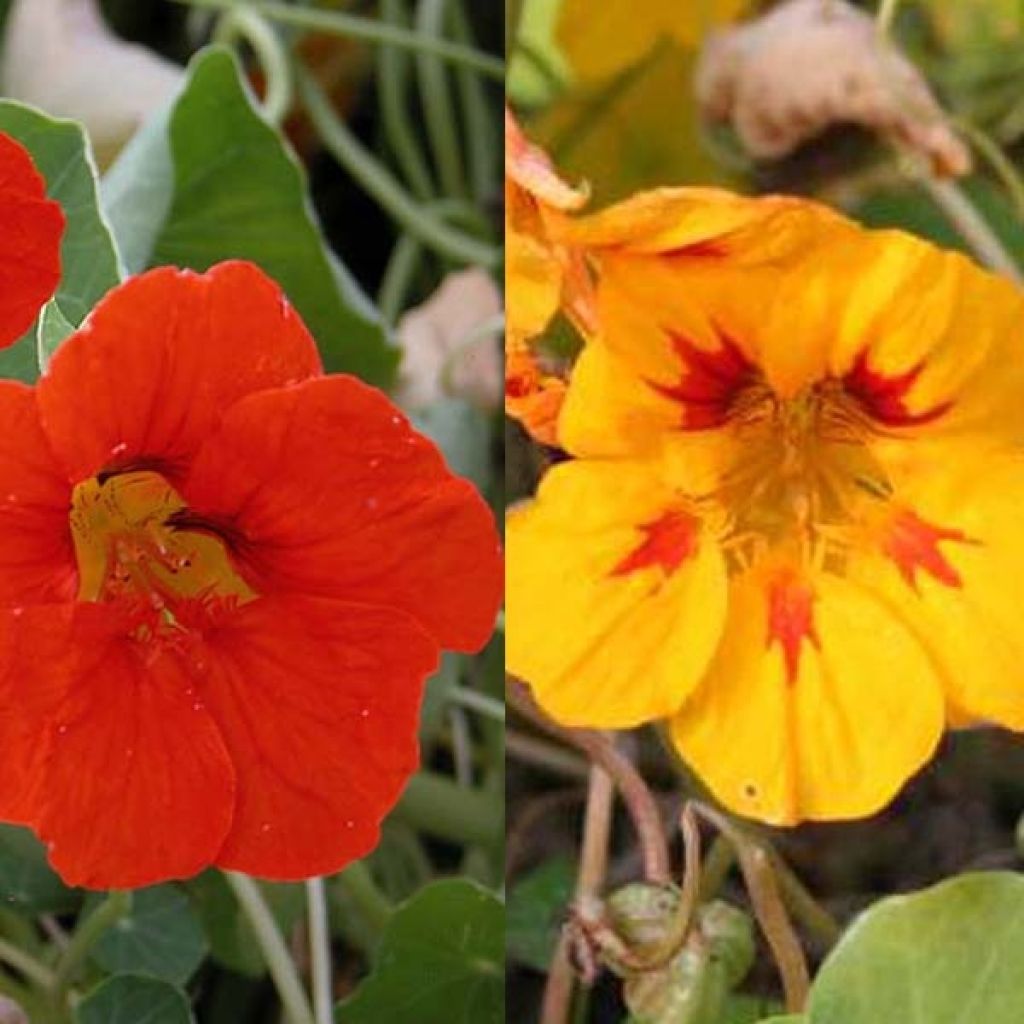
(612, 98)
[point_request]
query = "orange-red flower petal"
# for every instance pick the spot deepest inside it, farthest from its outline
(328, 491)
(136, 785)
(318, 703)
(31, 227)
(152, 369)
(36, 557)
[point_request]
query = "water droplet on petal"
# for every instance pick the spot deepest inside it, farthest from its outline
(11, 498)
(62, 730)
(350, 823)
(197, 706)
(396, 420)
(373, 463)
(17, 612)
(372, 503)
(265, 827)
(119, 449)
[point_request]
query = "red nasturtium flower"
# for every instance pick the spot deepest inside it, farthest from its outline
(32, 226)
(791, 526)
(217, 657)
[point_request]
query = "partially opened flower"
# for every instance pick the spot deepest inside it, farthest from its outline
(218, 656)
(543, 275)
(792, 528)
(32, 228)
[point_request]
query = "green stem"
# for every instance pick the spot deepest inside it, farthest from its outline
(369, 30)
(320, 951)
(1000, 163)
(973, 228)
(440, 807)
(437, 105)
(374, 907)
(802, 904)
(476, 113)
(378, 182)
(398, 277)
(244, 23)
(392, 83)
(275, 952)
(27, 965)
(478, 702)
(88, 932)
(717, 865)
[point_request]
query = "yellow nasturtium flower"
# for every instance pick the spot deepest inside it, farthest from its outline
(792, 523)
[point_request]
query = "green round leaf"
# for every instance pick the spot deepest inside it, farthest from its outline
(26, 880)
(536, 909)
(89, 259)
(440, 962)
(160, 937)
(211, 180)
(130, 999)
(948, 955)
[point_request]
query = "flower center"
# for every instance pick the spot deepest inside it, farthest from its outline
(129, 549)
(803, 467)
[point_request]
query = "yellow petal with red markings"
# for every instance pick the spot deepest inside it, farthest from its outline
(819, 705)
(615, 595)
(921, 335)
(950, 557)
(611, 412)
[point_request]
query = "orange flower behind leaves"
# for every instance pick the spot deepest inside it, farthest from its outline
(543, 275)
(32, 228)
(792, 524)
(218, 657)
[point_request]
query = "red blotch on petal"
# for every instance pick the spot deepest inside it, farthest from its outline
(32, 226)
(790, 618)
(913, 544)
(669, 541)
(885, 397)
(710, 383)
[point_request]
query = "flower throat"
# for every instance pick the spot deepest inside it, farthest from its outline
(128, 547)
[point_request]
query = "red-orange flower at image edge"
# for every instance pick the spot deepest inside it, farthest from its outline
(218, 657)
(31, 227)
